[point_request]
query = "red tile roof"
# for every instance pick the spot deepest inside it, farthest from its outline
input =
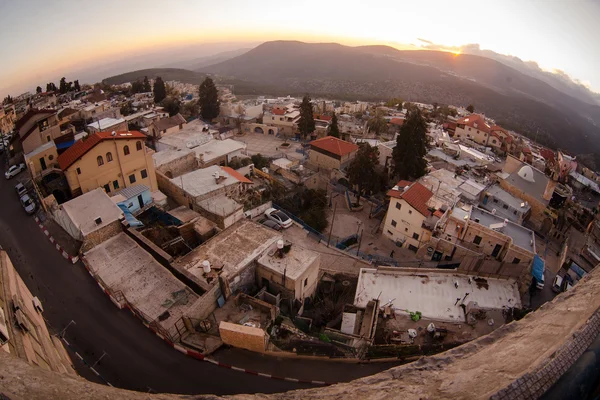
(334, 145)
(397, 121)
(19, 124)
(398, 193)
(236, 175)
(278, 111)
(81, 147)
(322, 117)
(547, 154)
(475, 119)
(417, 196)
(438, 213)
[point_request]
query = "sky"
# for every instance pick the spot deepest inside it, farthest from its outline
(43, 40)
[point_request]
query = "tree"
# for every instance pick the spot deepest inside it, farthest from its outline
(51, 87)
(259, 161)
(334, 130)
(471, 109)
(38, 89)
(190, 109)
(362, 170)
(377, 124)
(306, 123)
(172, 105)
(209, 100)
(63, 85)
(160, 92)
(411, 147)
(7, 100)
(147, 87)
(395, 102)
(76, 85)
(126, 109)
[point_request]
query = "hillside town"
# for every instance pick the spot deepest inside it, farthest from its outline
(284, 225)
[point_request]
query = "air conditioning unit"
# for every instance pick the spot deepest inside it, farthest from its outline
(16, 303)
(37, 304)
(22, 320)
(4, 336)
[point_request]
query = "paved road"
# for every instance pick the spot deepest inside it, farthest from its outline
(136, 359)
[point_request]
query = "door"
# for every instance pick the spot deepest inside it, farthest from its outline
(141, 201)
(43, 163)
(497, 249)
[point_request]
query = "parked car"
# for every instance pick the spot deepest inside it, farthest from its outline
(21, 189)
(557, 284)
(14, 170)
(28, 204)
(271, 224)
(279, 217)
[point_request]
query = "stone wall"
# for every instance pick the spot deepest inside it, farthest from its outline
(205, 305)
(180, 166)
(244, 337)
(101, 235)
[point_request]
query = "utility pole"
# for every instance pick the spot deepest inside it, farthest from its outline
(359, 240)
(332, 221)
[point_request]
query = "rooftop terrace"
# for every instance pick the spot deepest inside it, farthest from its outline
(521, 236)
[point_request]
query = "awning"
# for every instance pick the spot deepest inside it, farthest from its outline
(538, 268)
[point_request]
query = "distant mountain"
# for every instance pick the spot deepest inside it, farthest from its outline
(199, 62)
(516, 100)
(167, 74)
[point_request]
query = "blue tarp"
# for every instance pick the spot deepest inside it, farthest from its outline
(538, 268)
(131, 220)
(64, 145)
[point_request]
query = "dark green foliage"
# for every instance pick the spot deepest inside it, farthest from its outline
(209, 100)
(306, 123)
(8, 100)
(259, 161)
(147, 87)
(65, 86)
(126, 109)
(76, 86)
(362, 171)
(471, 109)
(334, 130)
(377, 124)
(411, 147)
(190, 109)
(172, 105)
(51, 87)
(160, 91)
(310, 206)
(38, 89)
(137, 87)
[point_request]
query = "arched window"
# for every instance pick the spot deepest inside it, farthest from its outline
(108, 157)
(100, 160)
(126, 150)
(138, 146)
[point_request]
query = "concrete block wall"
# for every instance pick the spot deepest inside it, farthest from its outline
(244, 337)
(101, 235)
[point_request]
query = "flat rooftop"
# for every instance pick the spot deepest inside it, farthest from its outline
(187, 138)
(202, 181)
(231, 250)
(167, 156)
(521, 236)
(84, 210)
(507, 198)
(124, 266)
(218, 148)
(105, 123)
(434, 293)
(221, 205)
(293, 264)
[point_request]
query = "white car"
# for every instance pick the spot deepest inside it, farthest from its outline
(279, 217)
(14, 170)
(28, 204)
(21, 189)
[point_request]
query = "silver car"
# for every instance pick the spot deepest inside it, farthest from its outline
(28, 204)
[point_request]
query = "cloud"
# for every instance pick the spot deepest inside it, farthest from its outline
(558, 79)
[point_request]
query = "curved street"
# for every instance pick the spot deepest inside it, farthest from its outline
(120, 348)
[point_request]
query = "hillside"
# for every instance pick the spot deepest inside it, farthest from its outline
(199, 62)
(519, 101)
(167, 74)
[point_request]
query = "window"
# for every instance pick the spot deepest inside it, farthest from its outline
(305, 282)
(100, 160)
(78, 171)
(138, 145)
(495, 200)
(416, 236)
(493, 141)
(505, 206)
(469, 129)
(389, 232)
(116, 184)
(48, 138)
(515, 212)
(51, 157)
(394, 223)
(398, 206)
(405, 229)
(126, 150)
(477, 240)
(410, 211)
(109, 157)
(132, 178)
(144, 174)
(516, 260)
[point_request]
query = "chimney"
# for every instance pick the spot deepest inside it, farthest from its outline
(549, 191)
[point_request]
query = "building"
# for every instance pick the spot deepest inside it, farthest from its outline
(284, 118)
(42, 159)
(23, 330)
(93, 110)
(488, 234)
(219, 152)
(108, 125)
(166, 126)
(135, 198)
(90, 218)
(109, 160)
(473, 127)
(289, 270)
(35, 128)
(498, 201)
(500, 139)
(331, 153)
(7, 119)
(408, 219)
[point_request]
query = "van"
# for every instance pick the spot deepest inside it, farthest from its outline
(557, 284)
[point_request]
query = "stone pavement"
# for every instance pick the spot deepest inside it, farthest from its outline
(268, 145)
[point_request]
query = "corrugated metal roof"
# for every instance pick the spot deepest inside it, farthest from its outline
(132, 191)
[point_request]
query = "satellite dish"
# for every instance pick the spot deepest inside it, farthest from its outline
(113, 133)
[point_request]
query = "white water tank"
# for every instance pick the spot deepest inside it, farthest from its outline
(206, 266)
(280, 244)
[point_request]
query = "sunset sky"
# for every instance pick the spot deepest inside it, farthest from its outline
(45, 39)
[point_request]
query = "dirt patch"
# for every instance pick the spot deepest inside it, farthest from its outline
(481, 283)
